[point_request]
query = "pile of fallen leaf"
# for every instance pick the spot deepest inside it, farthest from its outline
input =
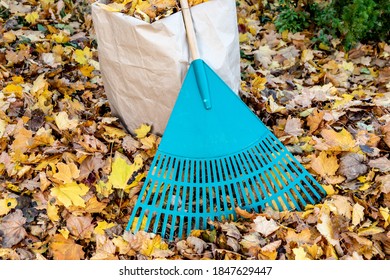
(70, 173)
(148, 10)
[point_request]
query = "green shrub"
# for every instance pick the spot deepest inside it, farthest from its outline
(291, 20)
(359, 19)
(352, 21)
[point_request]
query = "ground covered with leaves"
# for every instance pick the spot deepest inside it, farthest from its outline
(65, 161)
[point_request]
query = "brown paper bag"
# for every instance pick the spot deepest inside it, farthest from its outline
(143, 65)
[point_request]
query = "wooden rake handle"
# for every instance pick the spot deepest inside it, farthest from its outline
(190, 30)
(200, 74)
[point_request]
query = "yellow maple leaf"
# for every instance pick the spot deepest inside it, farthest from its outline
(348, 66)
(314, 251)
(150, 245)
(60, 38)
(101, 226)
(22, 142)
(267, 255)
(63, 122)
(17, 79)
(45, 106)
(324, 164)
(6, 205)
(16, 89)
(338, 141)
(70, 194)
(142, 131)
(149, 142)
(82, 56)
(65, 248)
(86, 70)
(32, 17)
(104, 189)
(9, 37)
(300, 254)
(66, 172)
(114, 132)
(122, 171)
(302, 237)
(340, 205)
(113, 7)
(95, 206)
(258, 84)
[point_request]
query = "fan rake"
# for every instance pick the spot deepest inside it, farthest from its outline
(216, 155)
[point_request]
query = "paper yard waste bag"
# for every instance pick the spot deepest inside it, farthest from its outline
(143, 65)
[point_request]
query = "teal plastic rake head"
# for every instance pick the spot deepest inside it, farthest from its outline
(216, 155)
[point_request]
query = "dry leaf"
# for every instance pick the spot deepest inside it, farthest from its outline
(105, 249)
(372, 230)
(352, 166)
(63, 121)
(325, 165)
(95, 206)
(65, 249)
(122, 171)
(264, 226)
(386, 131)
(338, 141)
(23, 139)
(272, 247)
(142, 131)
(300, 254)
(326, 229)
(231, 230)
(6, 205)
(70, 194)
(197, 244)
(101, 226)
(302, 237)
(293, 127)
(383, 164)
(342, 206)
(80, 227)
(357, 214)
(11, 228)
(52, 212)
(66, 172)
(150, 246)
(245, 214)
(314, 120)
(385, 183)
